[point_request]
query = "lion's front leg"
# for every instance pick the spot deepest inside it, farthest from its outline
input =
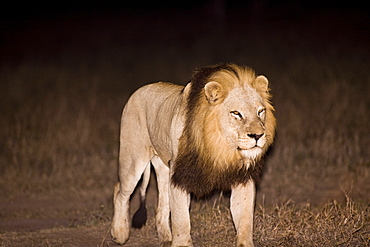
(242, 209)
(180, 218)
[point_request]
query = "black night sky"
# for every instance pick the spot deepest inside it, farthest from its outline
(21, 23)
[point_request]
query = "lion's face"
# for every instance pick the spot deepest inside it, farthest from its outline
(242, 117)
(229, 126)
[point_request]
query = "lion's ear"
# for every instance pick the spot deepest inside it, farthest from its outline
(261, 84)
(214, 92)
(186, 90)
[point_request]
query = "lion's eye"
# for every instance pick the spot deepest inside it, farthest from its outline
(261, 112)
(236, 114)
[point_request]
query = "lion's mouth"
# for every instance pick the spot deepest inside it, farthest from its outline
(250, 144)
(251, 153)
(248, 148)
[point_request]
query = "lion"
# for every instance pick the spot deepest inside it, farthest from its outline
(208, 135)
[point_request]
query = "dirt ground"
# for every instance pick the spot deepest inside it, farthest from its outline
(77, 218)
(66, 220)
(72, 219)
(47, 222)
(83, 219)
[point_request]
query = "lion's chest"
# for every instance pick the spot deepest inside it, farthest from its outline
(195, 178)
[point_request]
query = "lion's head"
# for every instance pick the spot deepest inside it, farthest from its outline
(229, 126)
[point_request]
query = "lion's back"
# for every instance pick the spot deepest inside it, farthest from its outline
(153, 95)
(149, 112)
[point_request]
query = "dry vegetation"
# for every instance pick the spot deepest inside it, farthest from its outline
(286, 224)
(60, 118)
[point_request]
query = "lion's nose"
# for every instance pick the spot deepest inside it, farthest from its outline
(255, 136)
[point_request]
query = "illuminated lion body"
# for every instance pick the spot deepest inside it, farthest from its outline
(208, 135)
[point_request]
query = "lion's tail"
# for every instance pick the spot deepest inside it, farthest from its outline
(140, 216)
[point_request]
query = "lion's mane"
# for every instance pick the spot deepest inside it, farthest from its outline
(205, 160)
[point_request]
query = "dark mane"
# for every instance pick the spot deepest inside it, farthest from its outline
(194, 170)
(191, 175)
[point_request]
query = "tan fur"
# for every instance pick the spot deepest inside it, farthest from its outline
(208, 135)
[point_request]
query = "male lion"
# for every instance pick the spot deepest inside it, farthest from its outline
(207, 135)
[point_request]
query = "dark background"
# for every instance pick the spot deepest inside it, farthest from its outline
(315, 53)
(39, 25)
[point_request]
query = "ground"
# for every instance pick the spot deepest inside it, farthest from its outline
(84, 220)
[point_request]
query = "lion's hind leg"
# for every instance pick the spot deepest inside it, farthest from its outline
(130, 174)
(163, 207)
(120, 226)
(140, 216)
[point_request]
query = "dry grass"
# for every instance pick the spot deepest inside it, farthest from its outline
(55, 133)
(334, 224)
(287, 224)
(281, 224)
